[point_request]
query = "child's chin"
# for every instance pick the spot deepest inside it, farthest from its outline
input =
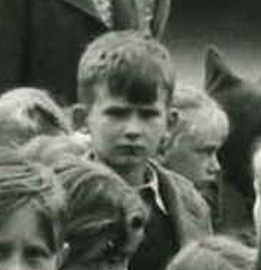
(130, 160)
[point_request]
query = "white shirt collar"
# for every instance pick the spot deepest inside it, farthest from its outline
(153, 183)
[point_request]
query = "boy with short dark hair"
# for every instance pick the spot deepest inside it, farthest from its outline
(125, 83)
(32, 211)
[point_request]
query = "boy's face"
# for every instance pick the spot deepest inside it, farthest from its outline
(126, 133)
(23, 243)
(194, 154)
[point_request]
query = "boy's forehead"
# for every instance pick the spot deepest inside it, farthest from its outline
(136, 93)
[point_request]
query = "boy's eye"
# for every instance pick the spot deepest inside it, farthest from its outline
(208, 150)
(117, 112)
(36, 253)
(149, 113)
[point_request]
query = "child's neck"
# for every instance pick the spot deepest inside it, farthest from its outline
(134, 176)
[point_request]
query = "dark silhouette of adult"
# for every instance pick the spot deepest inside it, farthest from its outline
(42, 40)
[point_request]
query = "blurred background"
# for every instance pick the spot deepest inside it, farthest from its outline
(232, 25)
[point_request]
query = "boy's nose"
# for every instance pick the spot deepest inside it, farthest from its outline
(15, 263)
(215, 165)
(133, 128)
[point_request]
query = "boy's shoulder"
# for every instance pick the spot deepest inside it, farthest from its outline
(192, 208)
(184, 188)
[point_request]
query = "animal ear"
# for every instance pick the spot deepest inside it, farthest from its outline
(217, 72)
(126, 15)
(78, 116)
(161, 12)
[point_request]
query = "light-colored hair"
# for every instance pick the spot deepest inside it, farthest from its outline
(192, 103)
(27, 112)
(24, 182)
(132, 63)
(214, 253)
(48, 149)
(103, 210)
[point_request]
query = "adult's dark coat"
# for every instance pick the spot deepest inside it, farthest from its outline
(41, 42)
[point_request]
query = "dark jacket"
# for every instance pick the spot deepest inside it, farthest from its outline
(188, 210)
(188, 218)
(41, 42)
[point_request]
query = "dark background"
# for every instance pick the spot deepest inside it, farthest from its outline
(233, 26)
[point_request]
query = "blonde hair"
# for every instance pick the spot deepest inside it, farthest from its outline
(214, 253)
(24, 182)
(193, 103)
(27, 112)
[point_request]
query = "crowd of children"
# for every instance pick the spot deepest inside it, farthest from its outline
(130, 185)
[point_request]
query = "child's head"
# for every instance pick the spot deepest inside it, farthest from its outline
(130, 63)
(28, 112)
(48, 149)
(106, 216)
(215, 252)
(125, 81)
(32, 211)
(192, 151)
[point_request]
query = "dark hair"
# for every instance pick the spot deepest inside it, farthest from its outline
(214, 252)
(104, 211)
(22, 183)
(132, 64)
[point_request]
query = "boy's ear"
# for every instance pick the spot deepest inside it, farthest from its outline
(166, 140)
(78, 116)
(172, 120)
(62, 255)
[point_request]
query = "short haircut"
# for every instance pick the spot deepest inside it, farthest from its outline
(192, 103)
(103, 209)
(133, 64)
(214, 252)
(27, 112)
(23, 183)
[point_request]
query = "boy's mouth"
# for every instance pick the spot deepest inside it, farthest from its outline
(131, 149)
